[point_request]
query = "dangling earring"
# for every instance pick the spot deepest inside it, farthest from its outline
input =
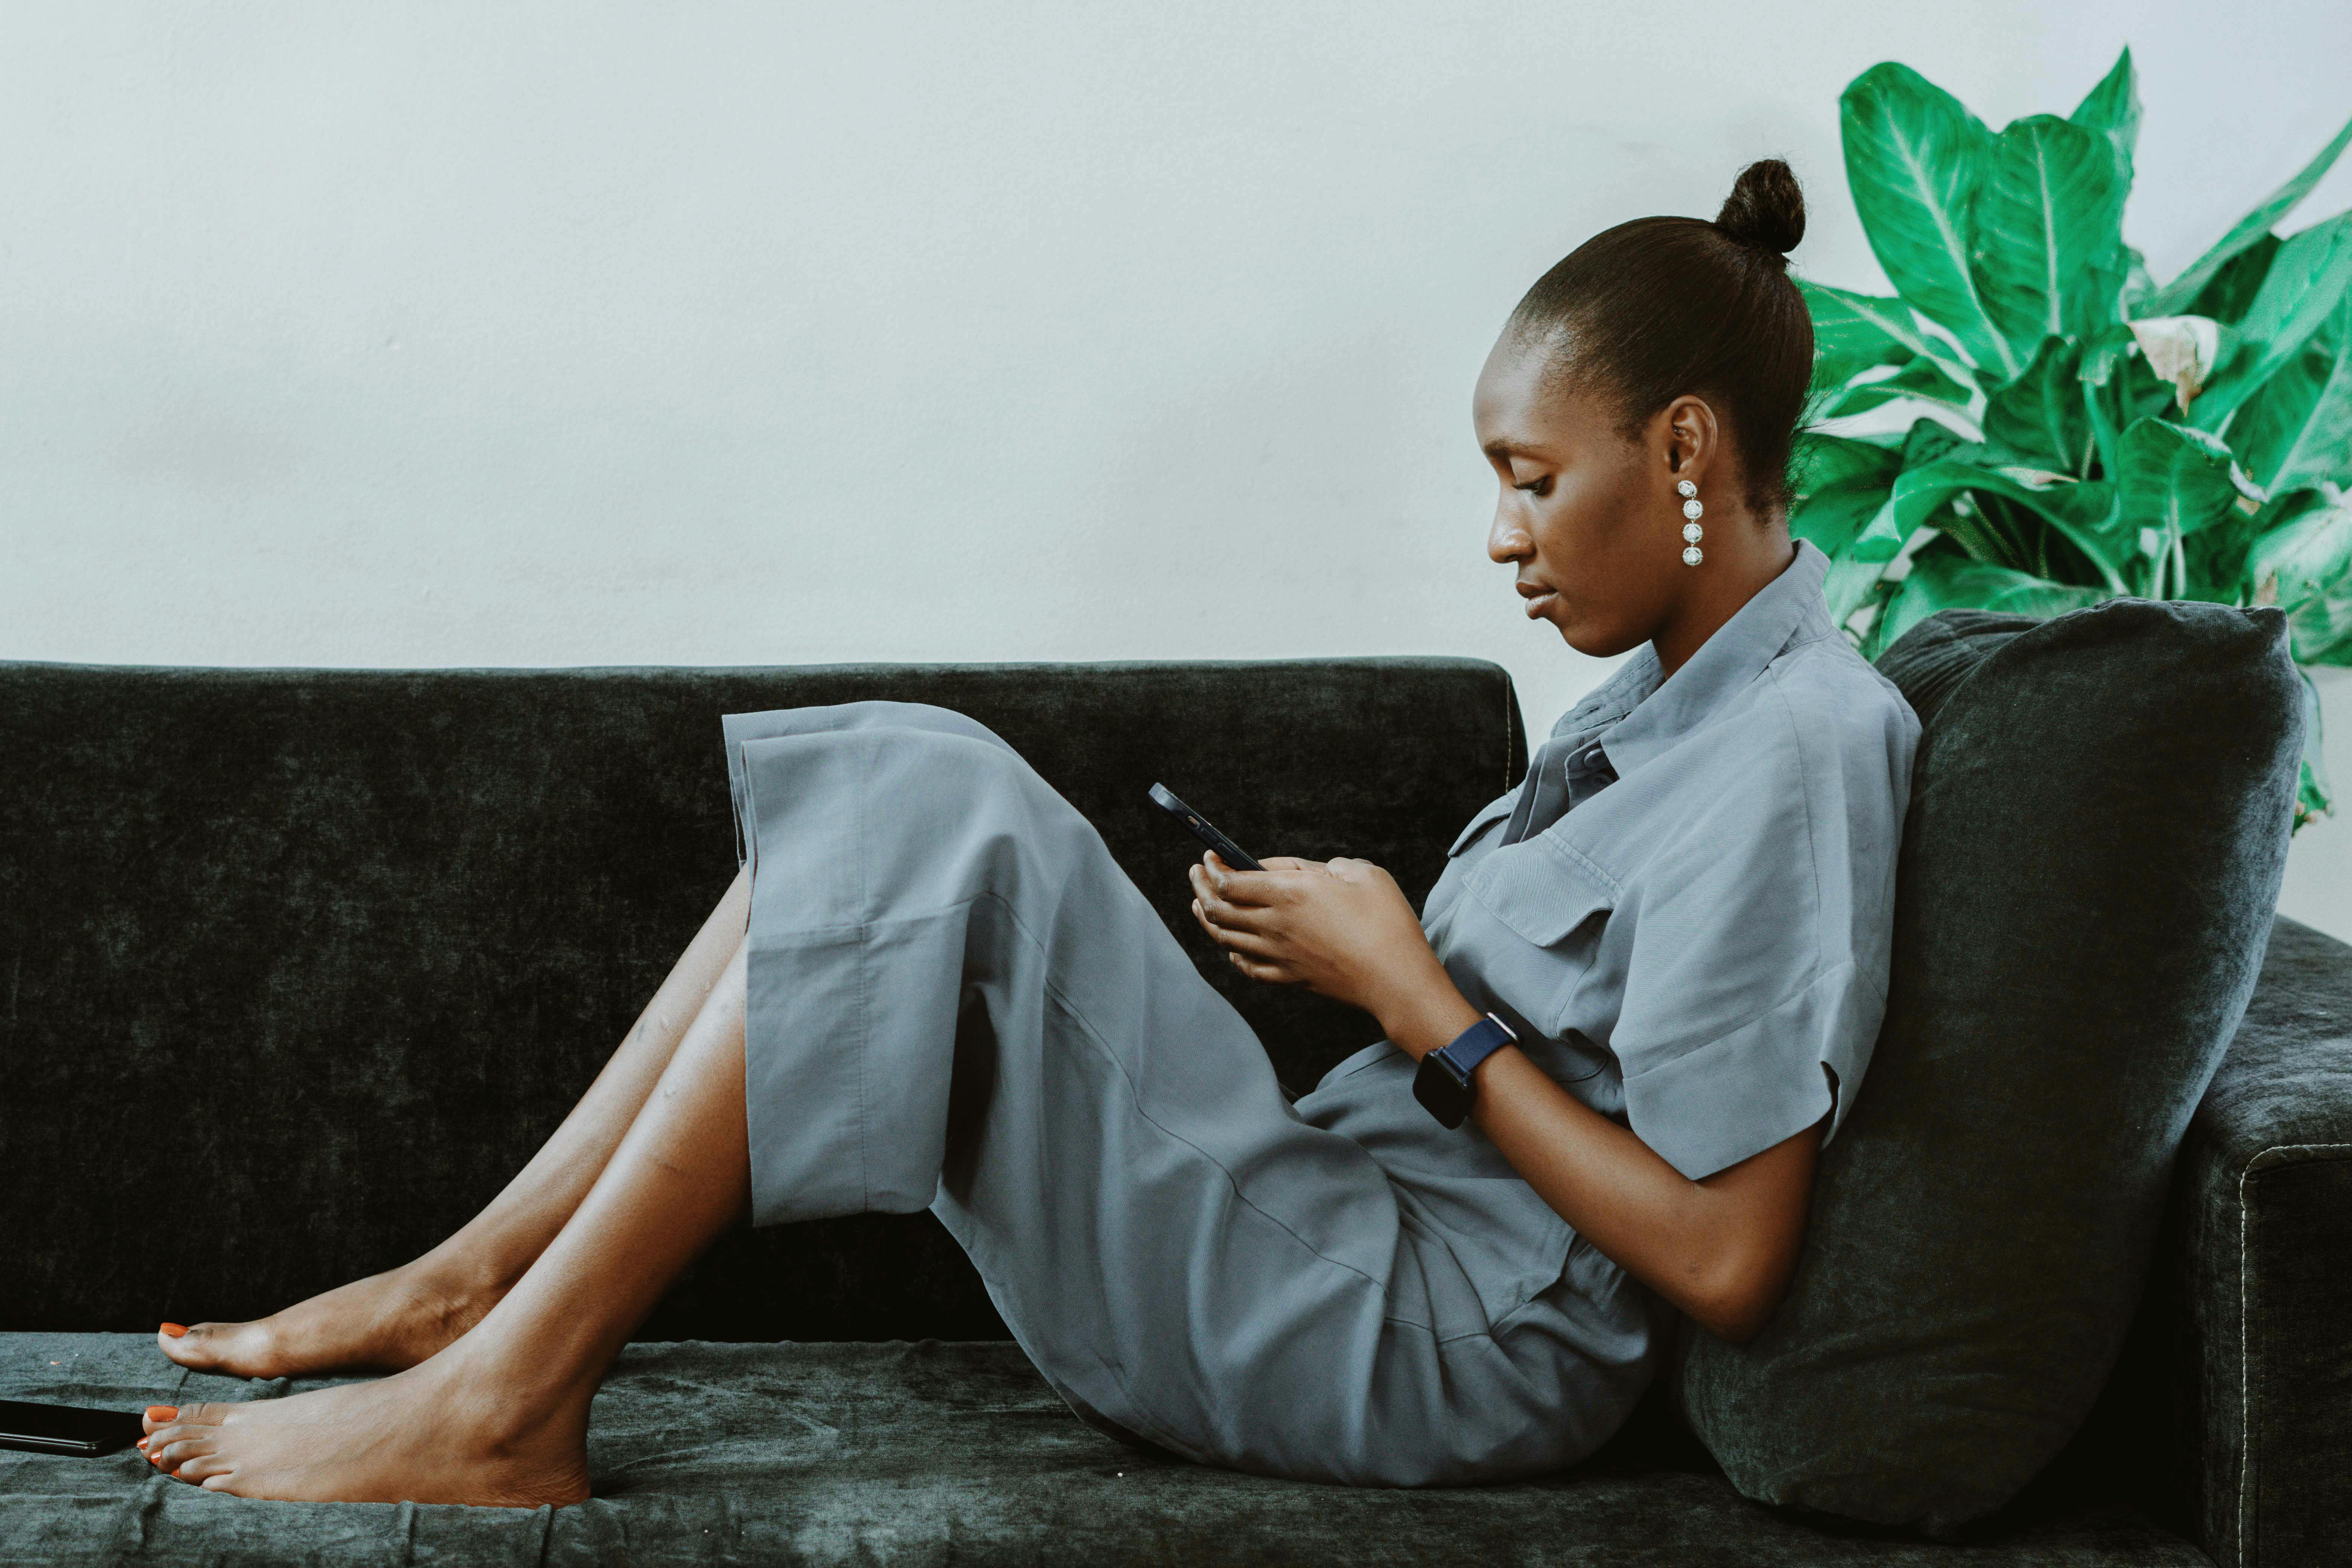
(1691, 529)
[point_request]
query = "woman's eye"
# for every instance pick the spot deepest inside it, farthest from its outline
(1541, 486)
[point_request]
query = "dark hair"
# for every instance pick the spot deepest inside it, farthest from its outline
(1662, 306)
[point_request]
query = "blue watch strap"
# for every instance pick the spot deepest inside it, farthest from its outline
(1474, 1045)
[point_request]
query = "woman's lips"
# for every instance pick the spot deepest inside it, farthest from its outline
(1539, 603)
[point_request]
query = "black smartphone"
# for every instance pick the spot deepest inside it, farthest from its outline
(66, 1429)
(1227, 850)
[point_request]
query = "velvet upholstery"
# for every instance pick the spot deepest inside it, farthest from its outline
(2249, 1374)
(300, 965)
(337, 950)
(917, 1453)
(2097, 831)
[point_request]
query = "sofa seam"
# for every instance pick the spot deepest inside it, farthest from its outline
(2261, 1160)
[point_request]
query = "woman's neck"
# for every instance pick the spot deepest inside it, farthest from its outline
(1733, 573)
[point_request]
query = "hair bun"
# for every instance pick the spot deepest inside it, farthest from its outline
(1766, 210)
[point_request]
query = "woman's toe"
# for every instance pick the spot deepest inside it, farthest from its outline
(168, 1454)
(199, 1344)
(196, 1431)
(203, 1467)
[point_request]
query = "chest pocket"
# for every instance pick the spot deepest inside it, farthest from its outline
(1542, 892)
(1530, 932)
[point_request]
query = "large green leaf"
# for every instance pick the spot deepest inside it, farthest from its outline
(1941, 580)
(1853, 332)
(2296, 430)
(1823, 459)
(2047, 243)
(2175, 481)
(2083, 512)
(1913, 157)
(2321, 630)
(2306, 568)
(2216, 556)
(2225, 297)
(1831, 515)
(1929, 439)
(2213, 558)
(2040, 416)
(1923, 377)
(1850, 582)
(2112, 108)
(1841, 482)
(2175, 297)
(2305, 283)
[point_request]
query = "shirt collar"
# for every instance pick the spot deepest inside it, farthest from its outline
(1644, 716)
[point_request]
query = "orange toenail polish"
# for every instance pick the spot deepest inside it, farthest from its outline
(162, 1412)
(175, 1329)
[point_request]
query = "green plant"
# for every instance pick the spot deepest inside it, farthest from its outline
(2095, 433)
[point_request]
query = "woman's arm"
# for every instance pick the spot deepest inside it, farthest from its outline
(1720, 1249)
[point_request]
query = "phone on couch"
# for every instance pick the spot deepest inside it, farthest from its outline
(66, 1429)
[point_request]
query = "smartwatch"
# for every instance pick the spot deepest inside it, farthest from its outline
(1442, 1083)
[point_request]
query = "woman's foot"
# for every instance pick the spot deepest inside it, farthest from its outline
(433, 1433)
(385, 1322)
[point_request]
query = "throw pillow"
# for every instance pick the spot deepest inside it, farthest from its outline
(2097, 830)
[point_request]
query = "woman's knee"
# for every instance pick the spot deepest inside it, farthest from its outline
(921, 718)
(964, 757)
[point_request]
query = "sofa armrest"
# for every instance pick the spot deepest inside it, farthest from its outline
(2260, 1265)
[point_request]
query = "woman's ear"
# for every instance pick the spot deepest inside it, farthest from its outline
(1691, 434)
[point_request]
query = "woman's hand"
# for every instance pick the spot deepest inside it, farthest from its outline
(1341, 928)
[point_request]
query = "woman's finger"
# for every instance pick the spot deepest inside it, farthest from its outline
(1289, 863)
(1223, 935)
(1220, 908)
(1248, 890)
(1258, 970)
(1236, 917)
(1216, 933)
(1249, 944)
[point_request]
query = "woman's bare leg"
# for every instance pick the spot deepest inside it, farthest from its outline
(500, 1415)
(391, 1321)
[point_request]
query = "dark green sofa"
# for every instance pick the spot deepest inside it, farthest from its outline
(296, 966)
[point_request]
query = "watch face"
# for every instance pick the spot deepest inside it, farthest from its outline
(1444, 1095)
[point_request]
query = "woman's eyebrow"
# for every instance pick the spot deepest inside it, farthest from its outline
(1503, 447)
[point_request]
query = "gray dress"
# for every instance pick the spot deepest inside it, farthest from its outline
(1337, 1289)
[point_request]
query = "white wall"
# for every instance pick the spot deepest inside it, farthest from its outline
(605, 333)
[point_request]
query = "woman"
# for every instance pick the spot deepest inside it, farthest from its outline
(1678, 924)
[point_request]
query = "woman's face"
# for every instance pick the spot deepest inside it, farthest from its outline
(1591, 520)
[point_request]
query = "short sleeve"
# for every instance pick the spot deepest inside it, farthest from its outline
(1756, 975)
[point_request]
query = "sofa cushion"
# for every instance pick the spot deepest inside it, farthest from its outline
(2096, 835)
(918, 1452)
(338, 949)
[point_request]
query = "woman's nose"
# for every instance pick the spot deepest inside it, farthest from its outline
(1508, 539)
